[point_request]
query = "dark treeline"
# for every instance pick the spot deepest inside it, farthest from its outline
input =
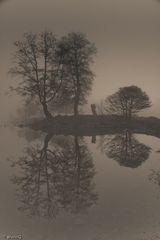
(55, 76)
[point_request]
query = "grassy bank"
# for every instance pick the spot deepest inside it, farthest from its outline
(89, 125)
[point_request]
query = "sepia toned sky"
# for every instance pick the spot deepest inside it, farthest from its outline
(126, 34)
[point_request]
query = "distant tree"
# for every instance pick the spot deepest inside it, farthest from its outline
(39, 61)
(80, 56)
(127, 101)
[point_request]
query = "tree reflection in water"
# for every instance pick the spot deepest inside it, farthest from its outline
(125, 149)
(57, 176)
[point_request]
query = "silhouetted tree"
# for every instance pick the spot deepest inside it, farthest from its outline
(57, 176)
(39, 61)
(80, 55)
(126, 150)
(127, 101)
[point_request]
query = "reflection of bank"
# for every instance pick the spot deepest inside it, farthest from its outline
(126, 149)
(57, 176)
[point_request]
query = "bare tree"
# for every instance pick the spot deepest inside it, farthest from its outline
(39, 62)
(127, 101)
(78, 60)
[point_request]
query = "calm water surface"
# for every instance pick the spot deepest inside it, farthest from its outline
(67, 187)
(83, 188)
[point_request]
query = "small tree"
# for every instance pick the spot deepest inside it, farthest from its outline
(80, 54)
(127, 101)
(39, 62)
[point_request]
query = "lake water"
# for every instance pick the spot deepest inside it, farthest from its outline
(70, 187)
(83, 188)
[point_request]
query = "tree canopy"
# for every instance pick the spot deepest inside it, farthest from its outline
(54, 71)
(127, 101)
(80, 52)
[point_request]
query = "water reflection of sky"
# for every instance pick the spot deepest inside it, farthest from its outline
(126, 203)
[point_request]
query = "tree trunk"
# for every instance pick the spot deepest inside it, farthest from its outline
(47, 114)
(126, 114)
(46, 141)
(130, 115)
(76, 105)
(78, 163)
(75, 109)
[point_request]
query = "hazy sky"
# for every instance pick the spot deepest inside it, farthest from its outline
(126, 33)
